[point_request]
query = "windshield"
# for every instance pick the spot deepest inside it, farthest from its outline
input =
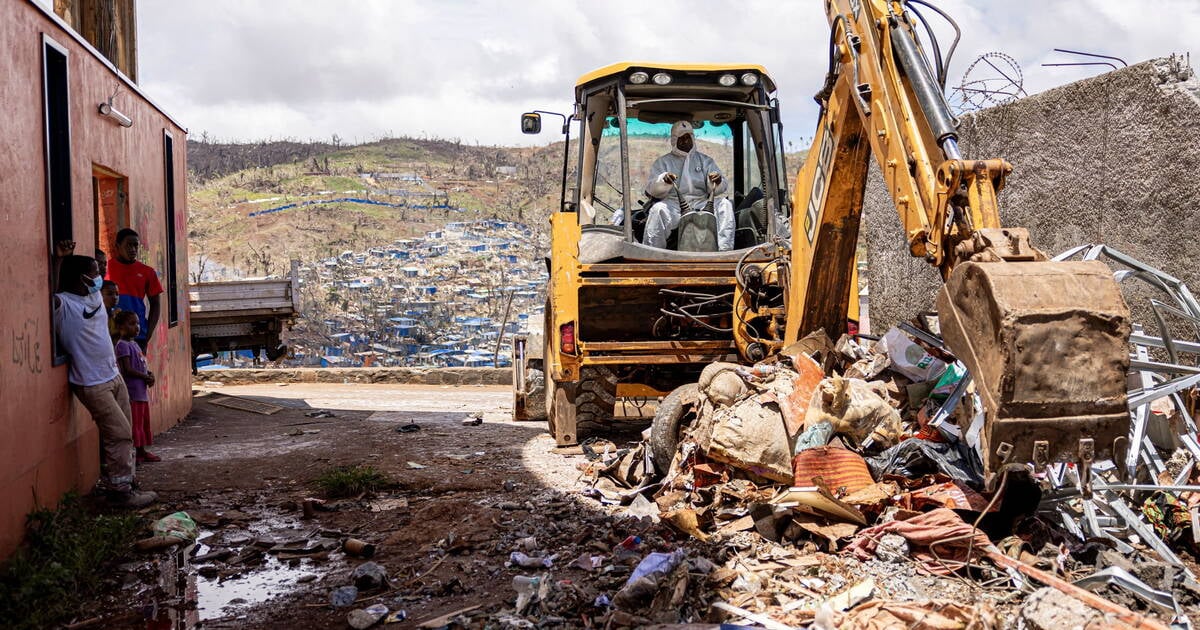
(721, 168)
(647, 142)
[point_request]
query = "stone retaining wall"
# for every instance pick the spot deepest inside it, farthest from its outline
(1112, 159)
(410, 376)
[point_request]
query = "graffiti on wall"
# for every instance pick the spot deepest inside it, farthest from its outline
(27, 346)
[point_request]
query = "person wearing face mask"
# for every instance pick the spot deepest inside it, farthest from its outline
(686, 179)
(81, 328)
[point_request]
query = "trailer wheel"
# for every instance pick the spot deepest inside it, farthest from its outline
(675, 411)
(596, 398)
(535, 400)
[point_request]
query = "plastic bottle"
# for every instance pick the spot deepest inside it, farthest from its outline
(526, 584)
(526, 588)
(627, 549)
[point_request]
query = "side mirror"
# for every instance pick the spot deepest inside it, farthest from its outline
(531, 124)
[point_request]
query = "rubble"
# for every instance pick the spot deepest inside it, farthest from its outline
(369, 576)
(838, 461)
(364, 618)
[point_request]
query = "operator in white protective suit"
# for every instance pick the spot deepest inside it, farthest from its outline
(692, 176)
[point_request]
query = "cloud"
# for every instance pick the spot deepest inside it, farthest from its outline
(467, 68)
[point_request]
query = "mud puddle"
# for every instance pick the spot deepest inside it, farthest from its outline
(253, 561)
(219, 598)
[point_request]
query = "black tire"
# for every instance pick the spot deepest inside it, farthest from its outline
(595, 399)
(674, 412)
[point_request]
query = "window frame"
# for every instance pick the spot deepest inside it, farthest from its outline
(172, 273)
(56, 162)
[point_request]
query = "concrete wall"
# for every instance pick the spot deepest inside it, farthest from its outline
(1112, 159)
(48, 442)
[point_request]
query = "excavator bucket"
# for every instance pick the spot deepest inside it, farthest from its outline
(1047, 344)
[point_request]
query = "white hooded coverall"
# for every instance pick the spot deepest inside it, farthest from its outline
(691, 170)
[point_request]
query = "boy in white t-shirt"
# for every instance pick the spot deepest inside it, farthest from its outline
(81, 322)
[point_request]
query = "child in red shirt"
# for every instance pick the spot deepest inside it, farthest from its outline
(138, 380)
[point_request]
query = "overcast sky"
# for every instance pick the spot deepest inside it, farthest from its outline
(364, 69)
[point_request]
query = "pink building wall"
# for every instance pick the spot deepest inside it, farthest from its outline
(48, 442)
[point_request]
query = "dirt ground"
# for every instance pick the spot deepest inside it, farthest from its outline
(463, 495)
(463, 498)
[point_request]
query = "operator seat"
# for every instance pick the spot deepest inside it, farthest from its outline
(751, 215)
(697, 232)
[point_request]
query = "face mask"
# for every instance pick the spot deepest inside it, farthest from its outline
(94, 284)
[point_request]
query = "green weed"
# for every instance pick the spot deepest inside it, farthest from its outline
(349, 481)
(67, 554)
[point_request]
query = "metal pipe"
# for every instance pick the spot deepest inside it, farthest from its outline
(1070, 493)
(566, 129)
(925, 87)
(625, 205)
(1157, 342)
(1166, 389)
(1122, 614)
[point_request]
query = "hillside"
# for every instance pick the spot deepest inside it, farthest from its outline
(391, 179)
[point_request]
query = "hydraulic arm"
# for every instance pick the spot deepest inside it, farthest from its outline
(1045, 342)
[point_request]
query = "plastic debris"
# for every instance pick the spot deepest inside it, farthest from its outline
(366, 617)
(178, 525)
(519, 559)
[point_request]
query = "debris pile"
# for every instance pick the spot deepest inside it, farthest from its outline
(833, 472)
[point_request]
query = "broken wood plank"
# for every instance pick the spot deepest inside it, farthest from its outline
(243, 404)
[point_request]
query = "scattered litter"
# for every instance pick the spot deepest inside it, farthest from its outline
(519, 559)
(414, 466)
(438, 622)
(387, 505)
(657, 572)
(173, 529)
(366, 617)
(411, 427)
(360, 548)
(320, 413)
(243, 404)
(529, 589)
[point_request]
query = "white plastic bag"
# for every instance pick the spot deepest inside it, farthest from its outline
(855, 409)
(910, 359)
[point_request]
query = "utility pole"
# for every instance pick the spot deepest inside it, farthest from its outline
(503, 325)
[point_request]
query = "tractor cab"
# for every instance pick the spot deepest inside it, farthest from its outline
(729, 195)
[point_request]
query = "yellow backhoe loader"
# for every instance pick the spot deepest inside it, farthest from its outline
(626, 322)
(1046, 343)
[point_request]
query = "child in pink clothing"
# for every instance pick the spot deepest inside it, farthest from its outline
(138, 380)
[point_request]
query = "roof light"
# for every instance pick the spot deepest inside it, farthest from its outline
(749, 79)
(639, 77)
(727, 80)
(662, 78)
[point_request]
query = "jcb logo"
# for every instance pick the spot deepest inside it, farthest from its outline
(816, 200)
